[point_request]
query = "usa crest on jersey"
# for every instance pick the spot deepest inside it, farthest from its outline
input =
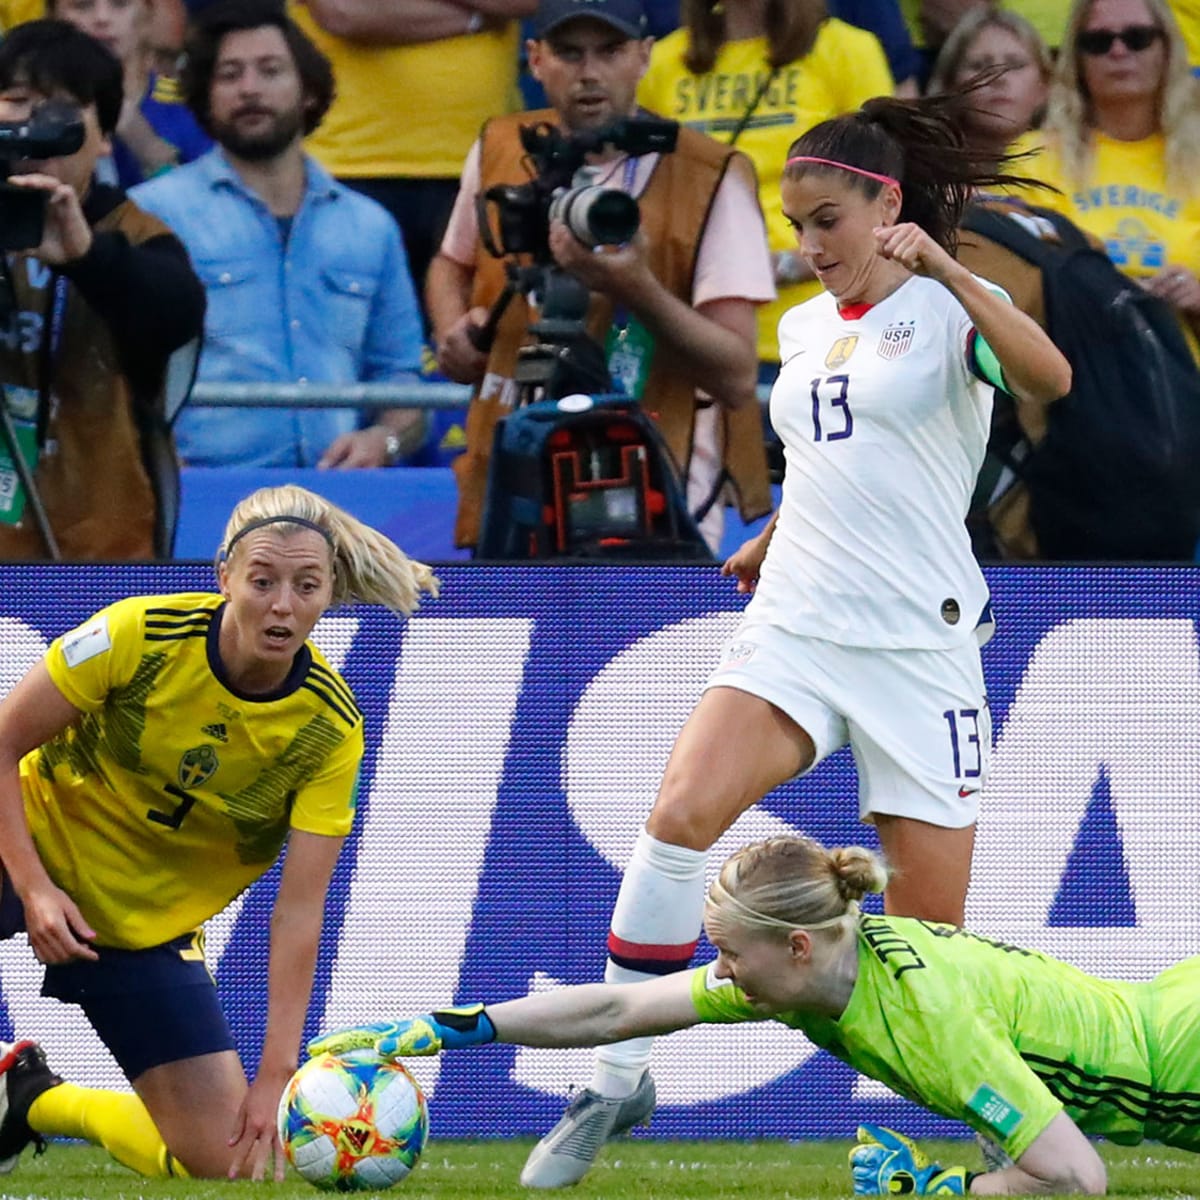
(896, 340)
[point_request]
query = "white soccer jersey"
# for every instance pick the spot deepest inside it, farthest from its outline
(884, 429)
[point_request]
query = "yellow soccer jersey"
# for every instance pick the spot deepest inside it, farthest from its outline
(174, 792)
(845, 68)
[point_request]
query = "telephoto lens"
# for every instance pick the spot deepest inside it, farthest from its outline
(597, 216)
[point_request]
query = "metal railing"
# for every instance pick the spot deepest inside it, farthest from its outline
(354, 395)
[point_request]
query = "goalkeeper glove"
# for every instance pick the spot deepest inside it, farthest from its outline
(447, 1029)
(887, 1163)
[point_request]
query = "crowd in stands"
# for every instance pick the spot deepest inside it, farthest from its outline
(321, 162)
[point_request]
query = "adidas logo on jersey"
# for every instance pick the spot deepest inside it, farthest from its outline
(217, 731)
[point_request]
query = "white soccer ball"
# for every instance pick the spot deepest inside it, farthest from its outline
(353, 1122)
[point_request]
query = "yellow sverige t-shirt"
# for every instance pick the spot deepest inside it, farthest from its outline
(410, 112)
(173, 793)
(1125, 203)
(846, 67)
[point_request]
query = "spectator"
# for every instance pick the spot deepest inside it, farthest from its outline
(757, 76)
(884, 19)
(156, 131)
(1122, 143)
(930, 21)
(168, 22)
(97, 308)
(682, 293)
(999, 56)
(307, 281)
(1004, 67)
(447, 65)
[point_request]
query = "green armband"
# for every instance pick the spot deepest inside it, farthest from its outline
(987, 363)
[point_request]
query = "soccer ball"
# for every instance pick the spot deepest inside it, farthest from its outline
(353, 1122)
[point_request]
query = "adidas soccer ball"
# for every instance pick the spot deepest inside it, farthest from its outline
(353, 1122)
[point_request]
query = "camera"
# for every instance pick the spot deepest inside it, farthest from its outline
(53, 130)
(515, 218)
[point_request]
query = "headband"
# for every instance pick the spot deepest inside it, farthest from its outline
(718, 894)
(829, 162)
(245, 529)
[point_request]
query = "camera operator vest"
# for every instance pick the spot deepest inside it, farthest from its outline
(91, 475)
(674, 210)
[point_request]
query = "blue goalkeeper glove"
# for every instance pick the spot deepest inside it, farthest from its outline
(447, 1029)
(885, 1163)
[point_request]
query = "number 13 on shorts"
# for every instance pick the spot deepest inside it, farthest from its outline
(970, 742)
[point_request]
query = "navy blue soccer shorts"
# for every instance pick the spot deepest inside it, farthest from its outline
(149, 1007)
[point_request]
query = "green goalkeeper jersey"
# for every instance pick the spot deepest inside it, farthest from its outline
(1004, 1038)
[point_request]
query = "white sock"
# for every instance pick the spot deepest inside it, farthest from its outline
(655, 927)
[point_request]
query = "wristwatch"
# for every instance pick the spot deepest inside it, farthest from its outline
(391, 449)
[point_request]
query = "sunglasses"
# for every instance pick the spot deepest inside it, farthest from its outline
(1133, 37)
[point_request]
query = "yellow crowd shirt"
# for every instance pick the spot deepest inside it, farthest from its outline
(412, 111)
(173, 792)
(1125, 203)
(845, 67)
(1187, 13)
(14, 12)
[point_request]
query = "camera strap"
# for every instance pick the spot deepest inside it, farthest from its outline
(752, 107)
(52, 333)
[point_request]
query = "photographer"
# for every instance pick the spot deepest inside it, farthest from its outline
(90, 316)
(680, 297)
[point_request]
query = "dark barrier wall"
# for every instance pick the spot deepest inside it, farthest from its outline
(516, 730)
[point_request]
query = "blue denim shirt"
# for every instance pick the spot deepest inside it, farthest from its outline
(334, 303)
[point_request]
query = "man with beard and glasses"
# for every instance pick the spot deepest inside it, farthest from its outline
(307, 281)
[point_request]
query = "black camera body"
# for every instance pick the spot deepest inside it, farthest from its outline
(563, 187)
(54, 130)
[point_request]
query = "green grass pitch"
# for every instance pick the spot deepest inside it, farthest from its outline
(637, 1169)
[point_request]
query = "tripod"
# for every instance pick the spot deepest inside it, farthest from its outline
(565, 358)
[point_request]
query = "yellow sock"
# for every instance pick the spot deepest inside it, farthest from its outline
(118, 1121)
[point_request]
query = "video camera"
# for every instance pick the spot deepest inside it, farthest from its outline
(564, 188)
(53, 130)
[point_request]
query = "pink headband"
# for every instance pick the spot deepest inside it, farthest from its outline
(841, 166)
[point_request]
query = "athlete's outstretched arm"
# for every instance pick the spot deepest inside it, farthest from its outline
(1061, 1160)
(296, 922)
(594, 1014)
(591, 1014)
(31, 714)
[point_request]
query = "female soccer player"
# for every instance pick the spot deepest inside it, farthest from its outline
(1025, 1049)
(863, 627)
(152, 767)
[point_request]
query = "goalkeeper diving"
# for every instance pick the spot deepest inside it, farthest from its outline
(1030, 1052)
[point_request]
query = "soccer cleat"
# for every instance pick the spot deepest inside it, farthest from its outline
(24, 1076)
(565, 1154)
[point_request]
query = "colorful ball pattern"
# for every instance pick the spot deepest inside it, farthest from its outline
(353, 1122)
